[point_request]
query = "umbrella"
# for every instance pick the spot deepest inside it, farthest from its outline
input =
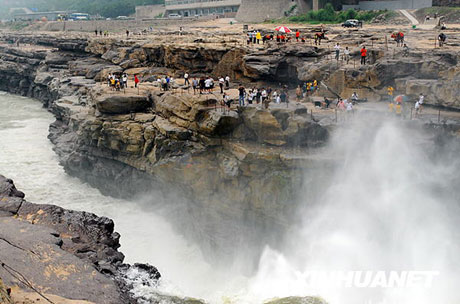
(283, 29)
(400, 98)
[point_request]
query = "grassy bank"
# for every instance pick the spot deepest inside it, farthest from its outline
(327, 15)
(450, 14)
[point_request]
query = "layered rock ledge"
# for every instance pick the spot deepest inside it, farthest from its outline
(242, 165)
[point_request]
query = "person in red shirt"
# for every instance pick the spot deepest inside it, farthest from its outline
(297, 35)
(136, 81)
(363, 55)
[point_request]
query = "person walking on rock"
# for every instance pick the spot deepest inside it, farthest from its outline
(363, 55)
(297, 35)
(136, 81)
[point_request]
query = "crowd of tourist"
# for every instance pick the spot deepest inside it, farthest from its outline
(256, 37)
(117, 81)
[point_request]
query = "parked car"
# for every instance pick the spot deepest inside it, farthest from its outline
(352, 23)
(174, 16)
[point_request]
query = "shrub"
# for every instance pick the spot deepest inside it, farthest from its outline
(328, 15)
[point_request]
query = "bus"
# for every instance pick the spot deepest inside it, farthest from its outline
(78, 16)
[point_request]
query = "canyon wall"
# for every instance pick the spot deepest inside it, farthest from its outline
(241, 166)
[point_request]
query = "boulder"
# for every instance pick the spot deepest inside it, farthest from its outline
(122, 104)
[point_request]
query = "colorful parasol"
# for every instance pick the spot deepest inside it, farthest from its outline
(283, 29)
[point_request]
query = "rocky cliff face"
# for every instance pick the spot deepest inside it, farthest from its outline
(229, 167)
(65, 252)
(240, 166)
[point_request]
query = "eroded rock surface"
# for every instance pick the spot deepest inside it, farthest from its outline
(60, 252)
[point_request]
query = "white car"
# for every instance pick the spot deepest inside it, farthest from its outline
(174, 16)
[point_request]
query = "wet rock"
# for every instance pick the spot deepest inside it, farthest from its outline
(58, 250)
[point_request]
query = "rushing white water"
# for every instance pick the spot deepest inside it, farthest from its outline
(389, 207)
(26, 156)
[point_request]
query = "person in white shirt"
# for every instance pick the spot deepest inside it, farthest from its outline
(187, 82)
(207, 85)
(337, 51)
(420, 101)
(221, 84)
(124, 80)
(250, 97)
(417, 108)
(346, 53)
(263, 95)
(421, 98)
(227, 82)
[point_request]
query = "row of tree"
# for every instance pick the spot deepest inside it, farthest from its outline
(105, 8)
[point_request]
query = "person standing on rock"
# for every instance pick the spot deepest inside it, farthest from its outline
(390, 92)
(420, 101)
(337, 51)
(263, 95)
(125, 81)
(186, 81)
(227, 82)
(346, 53)
(297, 35)
(417, 108)
(242, 94)
(207, 85)
(258, 37)
(127, 33)
(136, 81)
(221, 84)
(363, 55)
(283, 96)
(250, 96)
(195, 85)
(95, 32)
